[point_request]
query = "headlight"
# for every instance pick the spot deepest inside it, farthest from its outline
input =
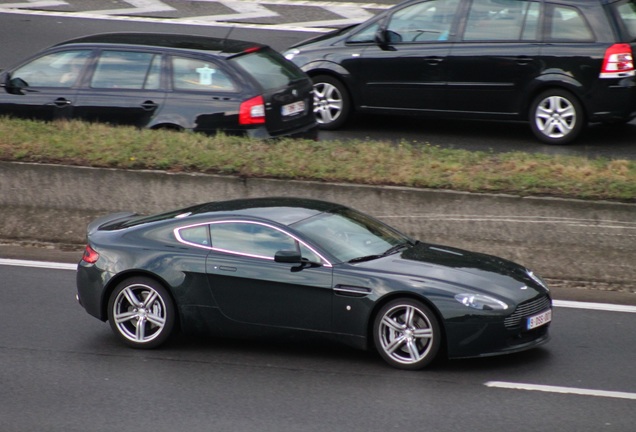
(290, 54)
(481, 302)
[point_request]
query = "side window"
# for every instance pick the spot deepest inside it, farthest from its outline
(250, 239)
(59, 69)
(196, 74)
(502, 20)
(567, 24)
(198, 235)
(422, 22)
(125, 70)
(367, 35)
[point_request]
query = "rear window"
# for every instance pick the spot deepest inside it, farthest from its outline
(626, 13)
(270, 69)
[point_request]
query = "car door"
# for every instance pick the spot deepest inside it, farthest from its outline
(406, 68)
(203, 95)
(124, 89)
(496, 59)
(251, 287)
(44, 88)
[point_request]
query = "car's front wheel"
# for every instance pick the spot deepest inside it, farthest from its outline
(141, 312)
(332, 103)
(556, 117)
(407, 334)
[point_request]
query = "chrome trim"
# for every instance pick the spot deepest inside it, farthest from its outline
(180, 239)
(348, 289)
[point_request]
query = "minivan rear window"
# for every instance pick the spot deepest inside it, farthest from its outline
(626, 12)
(270, 69)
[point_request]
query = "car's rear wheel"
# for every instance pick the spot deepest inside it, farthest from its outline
(556, 117)
(141, 312)
(407, 334)
(332, 103)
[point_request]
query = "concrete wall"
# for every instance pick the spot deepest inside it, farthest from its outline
(561, 239)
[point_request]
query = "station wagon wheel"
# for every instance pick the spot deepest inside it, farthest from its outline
(407, 334)
(556, 117)
(141, 313)
(332, 103)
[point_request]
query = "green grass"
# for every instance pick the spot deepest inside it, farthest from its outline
(362, 162)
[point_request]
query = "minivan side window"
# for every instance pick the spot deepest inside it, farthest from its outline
(126, 70)
(197, 74)
(423, 22)
(568, 24)
(502, 20)
(60, 69)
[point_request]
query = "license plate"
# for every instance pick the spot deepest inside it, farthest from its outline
(293, 108)
(539, 320)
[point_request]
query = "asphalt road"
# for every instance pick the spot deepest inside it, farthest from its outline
(24, 34)
(62, 370)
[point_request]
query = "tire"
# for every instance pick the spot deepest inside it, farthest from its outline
(141, 313)
(407, 334)
(332, 103)
(556, 117)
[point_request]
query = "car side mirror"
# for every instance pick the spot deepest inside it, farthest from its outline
(12, 85)
(384, 38)
(288, 256)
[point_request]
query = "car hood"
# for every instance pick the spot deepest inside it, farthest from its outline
(466, 271)
(324, 37)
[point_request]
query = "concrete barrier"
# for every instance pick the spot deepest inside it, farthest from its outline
(559, 238)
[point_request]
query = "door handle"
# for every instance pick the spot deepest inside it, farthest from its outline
(524, 60)
(149, 105)
(61, 102)
(227, 268)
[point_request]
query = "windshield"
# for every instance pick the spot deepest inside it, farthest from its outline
(626, 13)
(270, 69)
(349, 235)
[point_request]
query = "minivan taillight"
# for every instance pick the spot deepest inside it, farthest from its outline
(90, 256)
(618, 62)
(252, 111)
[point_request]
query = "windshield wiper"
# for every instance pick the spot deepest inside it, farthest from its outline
(390, 251)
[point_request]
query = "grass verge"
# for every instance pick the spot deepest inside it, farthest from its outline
(362, 162)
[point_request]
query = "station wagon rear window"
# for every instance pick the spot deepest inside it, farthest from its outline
(626, 12)
(270, 69)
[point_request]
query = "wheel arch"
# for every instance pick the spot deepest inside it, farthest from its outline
(405, 295)
(557, 81)
(117, 279)
(335, 71)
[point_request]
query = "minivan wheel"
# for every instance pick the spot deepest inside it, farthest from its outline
(556, 117)
(141, 313)
(332, 104)
(407, 334)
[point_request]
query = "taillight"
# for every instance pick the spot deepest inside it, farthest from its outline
(618, 62)
(90, 256)
(252, 111)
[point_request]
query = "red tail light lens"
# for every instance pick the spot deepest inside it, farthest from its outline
(90, 256)
(252, 111)
(618, 62)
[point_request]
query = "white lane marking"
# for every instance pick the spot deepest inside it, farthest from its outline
(190, 22)
(38, 264)
(594, 306)
(35, 4)
(351, 13)
(562, 390)
(139, 7)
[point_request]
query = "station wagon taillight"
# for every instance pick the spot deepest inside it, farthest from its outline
(618, 62)
(252, 111)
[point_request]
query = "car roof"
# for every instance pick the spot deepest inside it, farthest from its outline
(210, 45)
(282, 210)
